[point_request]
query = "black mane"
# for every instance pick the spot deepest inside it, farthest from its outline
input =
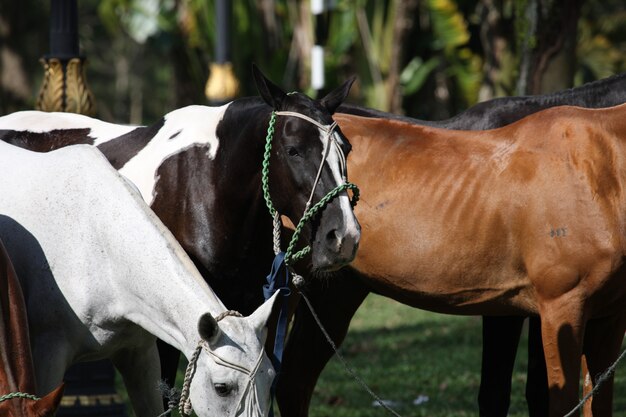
(501, 111)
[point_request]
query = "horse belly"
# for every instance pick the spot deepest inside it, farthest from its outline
(428, 262)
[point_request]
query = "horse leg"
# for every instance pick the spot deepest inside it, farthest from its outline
(169, 357)
(603, 340)
(537, 393)
(141, 372)
(562, 329)
(307, 351)
(500, 339)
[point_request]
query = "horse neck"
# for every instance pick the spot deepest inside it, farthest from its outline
(239, 213)
(159, 289)
(168, 295)
(16, 366)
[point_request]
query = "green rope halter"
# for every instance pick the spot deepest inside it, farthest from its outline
(308, 214)
(18, 395)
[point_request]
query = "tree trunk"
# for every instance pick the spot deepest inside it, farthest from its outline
(546, 31)
(495, 41)
(405, 18)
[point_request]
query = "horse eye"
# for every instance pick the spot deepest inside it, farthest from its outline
(292, 151)
(222, 389)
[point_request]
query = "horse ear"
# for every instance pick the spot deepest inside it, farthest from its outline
(208, 328)
(47, 406)
(270, 92)
(333, 99)
(261, 316)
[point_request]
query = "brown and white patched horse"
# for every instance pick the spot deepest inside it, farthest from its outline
(17, 376)
(200, 170)
(528, 219)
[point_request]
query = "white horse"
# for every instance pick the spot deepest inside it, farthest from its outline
(103, 278)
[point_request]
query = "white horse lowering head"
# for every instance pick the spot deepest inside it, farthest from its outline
(232, 375)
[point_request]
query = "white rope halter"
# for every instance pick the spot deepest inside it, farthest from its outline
(249, 404)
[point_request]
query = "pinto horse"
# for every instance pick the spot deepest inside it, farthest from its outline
(102, 277)
(17, 376)
(200, 170)
(527, 219)
(500, 333)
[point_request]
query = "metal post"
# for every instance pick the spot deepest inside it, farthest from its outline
(317, 51)
(321, 15)
(64, 86)
(222, 85)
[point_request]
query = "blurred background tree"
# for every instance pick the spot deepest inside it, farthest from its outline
(425, 58)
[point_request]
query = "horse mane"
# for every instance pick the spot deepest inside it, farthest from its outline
(500, 111)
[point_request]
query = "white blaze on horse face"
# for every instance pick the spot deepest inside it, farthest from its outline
(183, 128)
(42, 122)
(337, 169)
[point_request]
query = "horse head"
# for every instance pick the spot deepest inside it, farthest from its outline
(46, 406)
(231, 361)
(309, 162)
(31, 406)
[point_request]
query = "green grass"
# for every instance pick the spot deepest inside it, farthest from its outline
(402, 353)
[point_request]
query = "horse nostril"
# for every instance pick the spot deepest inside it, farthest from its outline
(334, 239)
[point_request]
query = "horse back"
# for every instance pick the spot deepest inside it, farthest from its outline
(480, 206)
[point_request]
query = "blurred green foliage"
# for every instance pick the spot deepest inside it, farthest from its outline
(147, 57)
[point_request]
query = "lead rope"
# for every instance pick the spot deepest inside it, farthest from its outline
(299, 282)
(278, 279)
(18, 394)
(599, 381)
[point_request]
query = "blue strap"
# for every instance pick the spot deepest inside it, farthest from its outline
(278, 280)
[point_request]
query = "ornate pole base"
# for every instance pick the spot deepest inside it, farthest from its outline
(64, 87)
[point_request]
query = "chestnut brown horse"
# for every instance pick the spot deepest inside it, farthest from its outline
(17, 377)
(527, 219)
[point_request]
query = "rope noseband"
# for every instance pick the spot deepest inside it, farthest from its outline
(248, 404)
(309, 212)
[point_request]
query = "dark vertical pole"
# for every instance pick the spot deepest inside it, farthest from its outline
(64, 87)
(63, 29)
(223, 15)
(222, 85)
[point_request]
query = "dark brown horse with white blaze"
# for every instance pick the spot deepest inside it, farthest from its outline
(528, 219)
(200, 170)
(17, 376)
